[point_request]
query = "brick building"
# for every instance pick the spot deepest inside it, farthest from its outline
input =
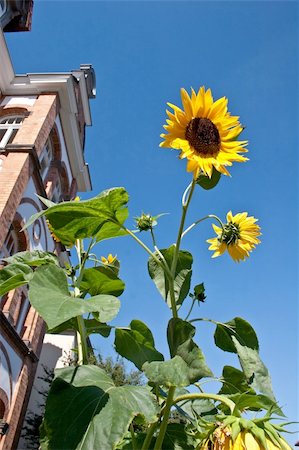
(42, 130)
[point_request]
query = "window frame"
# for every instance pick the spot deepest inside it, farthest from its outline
(10, 129)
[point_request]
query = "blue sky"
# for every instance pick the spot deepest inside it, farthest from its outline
(143, 53)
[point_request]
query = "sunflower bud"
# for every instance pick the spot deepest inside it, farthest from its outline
(145, 222)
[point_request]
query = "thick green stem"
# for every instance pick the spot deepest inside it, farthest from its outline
(185, 204)
(82, 342)
(81, 334)
(215, 397)
(149, 436)
(164, 423)
(134, 446)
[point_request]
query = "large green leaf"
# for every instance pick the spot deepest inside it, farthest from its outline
(136, 344)
(187, 364)
(238, 336)
(86, 411)
(49, 295)
(85, 219)
(179, 335)
(182, 274)
(101, 280)
(33, 259)
(91, 326)
(14, 276)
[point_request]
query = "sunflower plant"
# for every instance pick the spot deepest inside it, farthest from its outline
(85, 409)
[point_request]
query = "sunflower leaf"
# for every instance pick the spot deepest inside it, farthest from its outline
(101, 280)
(49, 295)
(88, 219)
(238, 336)
(182, 277)
(33, 259)
(187, 364)
(14, 276)
(86, 410)
(137, 344)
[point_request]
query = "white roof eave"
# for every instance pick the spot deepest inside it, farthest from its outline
(62, 84)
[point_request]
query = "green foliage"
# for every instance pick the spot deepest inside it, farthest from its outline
(50, 282)
(209, 183)
(238, 336)
(14, 276)
(102, 414)
(100, 217)
(32, 259)
(182, 276)
(137, 344)
(187, 364)
(101, 280)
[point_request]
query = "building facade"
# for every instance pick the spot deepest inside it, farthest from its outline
(42, 132)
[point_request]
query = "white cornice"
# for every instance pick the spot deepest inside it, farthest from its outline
(63, 85)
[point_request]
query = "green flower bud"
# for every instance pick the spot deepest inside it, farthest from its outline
(145, 222)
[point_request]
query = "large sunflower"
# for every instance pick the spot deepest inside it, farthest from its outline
(222, 440)
(205, 132)
(239, 236)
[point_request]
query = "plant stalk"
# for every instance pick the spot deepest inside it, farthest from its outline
(164, 423)
(215, 397)
(149, 436)
(185, 204)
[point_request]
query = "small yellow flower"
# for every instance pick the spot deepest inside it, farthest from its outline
(109, 260)
(77, 199)
(239, 236)
(205, 132)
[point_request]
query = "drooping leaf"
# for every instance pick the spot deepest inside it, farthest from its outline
(33, 259)
(209, 183)
(253, 402)
(136, 344)
(179, 335)
(234, 381)
(101, 280)
(173, 372)
(254, 369)
(187, 364)
(50, 296)
(91, 326)
(238, 336)
(182, 274)
(14, 276)
(239, 328)
(85, 410)
(84, 219)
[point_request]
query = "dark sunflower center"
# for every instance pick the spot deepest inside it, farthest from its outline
(231, 233)
(204, 137)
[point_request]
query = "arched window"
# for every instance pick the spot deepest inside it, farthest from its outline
(57, 191)
(45, 158)
(8, 129)
(11, 244)
(15, 241)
